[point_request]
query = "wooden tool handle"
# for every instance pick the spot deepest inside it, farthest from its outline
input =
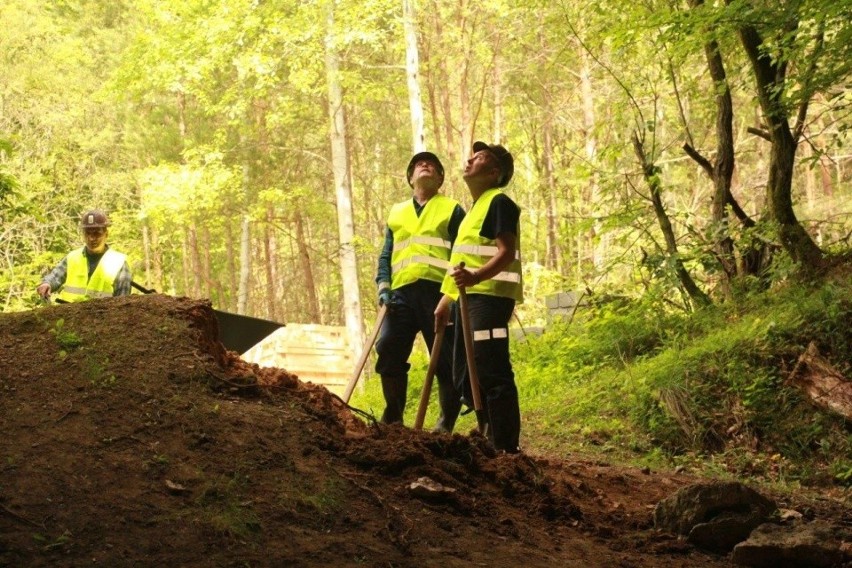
(353, 380)
(430, 375)
(467, 331)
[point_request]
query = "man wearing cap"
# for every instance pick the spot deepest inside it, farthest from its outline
(488, 243)
(91, 271)
(419, 235)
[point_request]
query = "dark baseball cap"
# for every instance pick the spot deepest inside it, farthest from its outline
(504, 160)
(424, 156)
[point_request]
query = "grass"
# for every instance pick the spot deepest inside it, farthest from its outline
(225, 509)
(368, 394)
(66, 339)
(638, 383)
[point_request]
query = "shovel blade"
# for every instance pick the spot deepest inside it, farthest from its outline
(241, 333)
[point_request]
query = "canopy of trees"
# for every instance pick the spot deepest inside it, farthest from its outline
(248, 151)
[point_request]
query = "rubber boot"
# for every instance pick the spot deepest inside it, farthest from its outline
(395, 390)
(450, 403)
(505, 423)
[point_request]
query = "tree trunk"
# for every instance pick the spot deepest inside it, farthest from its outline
(412, 68)
(307, 270)
(146, 248)
(231, 254)
(245, 265)
(195, 261)
(823, 384)
(343, 190)
(158, 281)
(271, 267)
(552, 252)
(770, 78)
(651, 174)
(599, 242)
(207, 264)
(185, 265)
(497, 106)
(795, 240)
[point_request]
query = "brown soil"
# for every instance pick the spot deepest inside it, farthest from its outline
(130, 437)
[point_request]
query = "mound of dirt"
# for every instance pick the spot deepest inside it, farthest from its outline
(131, 437)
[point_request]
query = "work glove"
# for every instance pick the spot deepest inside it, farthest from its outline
(384, 297)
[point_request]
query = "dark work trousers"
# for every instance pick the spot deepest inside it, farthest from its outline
(489, 316)
(412, 310)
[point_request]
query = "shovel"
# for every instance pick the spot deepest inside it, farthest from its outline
(430, 375)
(368, 346)
(467, 331)
(236, 332)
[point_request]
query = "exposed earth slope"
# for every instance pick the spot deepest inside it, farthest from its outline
(130, 437)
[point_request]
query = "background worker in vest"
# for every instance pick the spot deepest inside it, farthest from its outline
(488, 243)
(419, 236)
(91, 271)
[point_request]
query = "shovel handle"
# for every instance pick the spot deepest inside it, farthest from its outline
(353, 380)
(467, 332)
(430, 375)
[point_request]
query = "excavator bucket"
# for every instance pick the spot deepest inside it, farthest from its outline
(241, 333)
(236, 332)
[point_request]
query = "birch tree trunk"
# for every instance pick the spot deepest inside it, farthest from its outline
(552, 252)
(271, 250)
(343, 189)
(185, 265)
(195, 261)
(231, 254)
(497, 135)
(207, 263)
(146, 248)
(245, 265)
(600, 248)
(412, 69)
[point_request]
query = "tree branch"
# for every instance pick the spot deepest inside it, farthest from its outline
(759, 132)
(701, 160)
(807, 80)
(738, 211)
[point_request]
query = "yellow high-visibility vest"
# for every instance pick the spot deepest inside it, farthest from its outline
(475, 250)
(78, 285)
(421, 245)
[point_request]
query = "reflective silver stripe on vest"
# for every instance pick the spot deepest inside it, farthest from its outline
(507, 277)
(83, 292)
(383, 285)
(482, 250)
(420, 240)
(486, 334)
(445, 264)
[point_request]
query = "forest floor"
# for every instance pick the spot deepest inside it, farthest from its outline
(130, 437)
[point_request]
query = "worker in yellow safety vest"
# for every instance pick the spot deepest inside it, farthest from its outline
(91, 271)
(418, 238)
(488, 243)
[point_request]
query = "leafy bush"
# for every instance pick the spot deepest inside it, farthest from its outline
(640, 378)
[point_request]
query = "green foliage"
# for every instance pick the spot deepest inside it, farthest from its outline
(97, 371)
(67, 339)
(326, 498)
(368, 394)
(225, 509)
(639, 380)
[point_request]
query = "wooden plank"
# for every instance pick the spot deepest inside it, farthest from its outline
(317, 354)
